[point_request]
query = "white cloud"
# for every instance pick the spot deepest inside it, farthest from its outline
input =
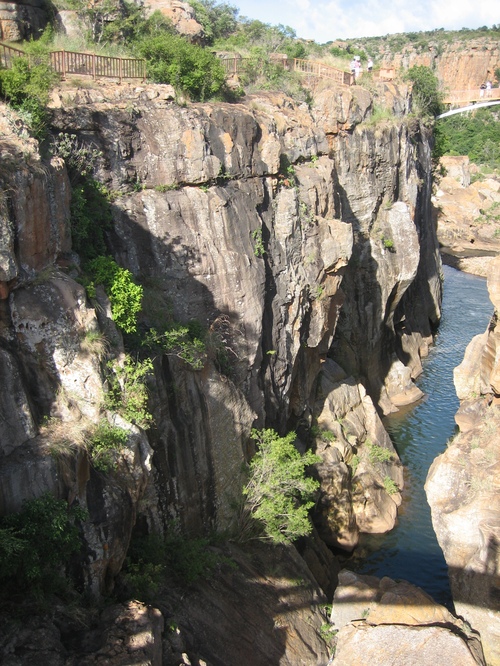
(326, 20)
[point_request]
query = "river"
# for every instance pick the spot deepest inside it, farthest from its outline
(420, 433)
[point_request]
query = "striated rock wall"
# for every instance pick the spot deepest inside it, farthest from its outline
(459, 65)
(462, 486)
(285, 230)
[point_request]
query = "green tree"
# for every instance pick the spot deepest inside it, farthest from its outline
(187, 67)
(219, 20)
(124, 294)
(425, 90)
(26, 85)
(278, 493)
(37, 543)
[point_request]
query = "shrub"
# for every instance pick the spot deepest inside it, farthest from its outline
(127, 394)
(278, 493)
(425, 90)
(90, 218)
(219, 20)
(36, 545)
(378, 453)
(185, 342)
(390, 486)
(152, 560)
(187, 67)
(124, 294)
(103, 443)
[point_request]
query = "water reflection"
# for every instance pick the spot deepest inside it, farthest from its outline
(420, 433)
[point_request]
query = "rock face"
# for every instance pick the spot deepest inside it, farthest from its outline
(22, 20)
(466, 216)
(459, 65)
(380, 621)
(462, 487)
(300, 239)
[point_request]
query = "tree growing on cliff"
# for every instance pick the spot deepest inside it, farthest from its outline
(279, 493)
(425, 90)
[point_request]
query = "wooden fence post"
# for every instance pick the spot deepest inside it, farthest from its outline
(63, 73)
(93, 66)
(120, 70)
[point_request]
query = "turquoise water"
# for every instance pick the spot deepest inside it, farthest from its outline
(411, 551)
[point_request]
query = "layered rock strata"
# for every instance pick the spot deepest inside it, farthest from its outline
(281, 229)
(462, 486)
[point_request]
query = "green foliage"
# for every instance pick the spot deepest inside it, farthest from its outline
(90, 218)
(219, 20)
(124, 294)
(36, 545)
(474, 134)
(425, 91)
(278, 493)
(153, 560)
(127, 393)
(258, 248)
(185, 342)
(80, 159)
(103, 443)
(390, 486)
(187, 67)
(26, 85)
(354, 462)
(378, 453)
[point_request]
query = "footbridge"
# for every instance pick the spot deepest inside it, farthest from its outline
(470, 107)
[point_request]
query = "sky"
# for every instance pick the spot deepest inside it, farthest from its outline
(327, 20)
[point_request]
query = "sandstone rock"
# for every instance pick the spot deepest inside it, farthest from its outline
(382, 621)
(22, 20)
(131, 633)
(353, 499)
(365, 645)
(181, 14)
(462, 491)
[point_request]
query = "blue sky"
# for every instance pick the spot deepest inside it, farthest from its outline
(325, 20)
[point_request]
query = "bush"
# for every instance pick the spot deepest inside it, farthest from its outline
(36, 545)
(153, 560)
(185, 342)
(103, 443)
(219, 20)
(278, 493)
(378, 453)
(187, 67)
(124, 294)
(127, 394)
(425, 90)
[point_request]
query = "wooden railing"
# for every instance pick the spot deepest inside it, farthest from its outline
(83, 64)
(235, 66)
(323, 71)
(7, 53)
(467, 96)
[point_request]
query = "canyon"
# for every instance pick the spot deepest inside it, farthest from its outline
(303, 239)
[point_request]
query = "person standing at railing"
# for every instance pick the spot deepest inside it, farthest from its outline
(488, 88)
(369, 65)
(482, 88)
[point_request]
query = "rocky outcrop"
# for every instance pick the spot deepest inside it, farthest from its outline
(282, 231)
(181, 14)
(380, 621)
(466, 216)
(22, 20)
(462, 489)
(458, 64)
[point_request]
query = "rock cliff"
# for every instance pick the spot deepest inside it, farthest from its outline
(301, 237)
(462, 486)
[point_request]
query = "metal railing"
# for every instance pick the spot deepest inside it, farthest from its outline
(83, 64)
(323, 71)
(466, 96)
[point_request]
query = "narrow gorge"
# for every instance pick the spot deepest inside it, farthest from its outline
(302, 240)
